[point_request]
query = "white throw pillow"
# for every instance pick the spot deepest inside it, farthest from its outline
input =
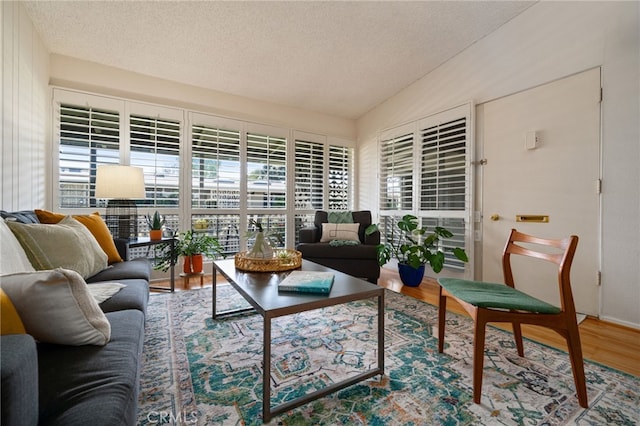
(57, 307)
(13, 259)
(339, 231)
(67, 244)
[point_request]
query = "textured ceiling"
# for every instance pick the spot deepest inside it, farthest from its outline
(337, 58)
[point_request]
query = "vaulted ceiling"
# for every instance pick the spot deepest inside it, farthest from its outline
(333, 57)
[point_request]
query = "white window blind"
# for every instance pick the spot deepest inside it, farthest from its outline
(309, 175)
(266, 171)
(215, 167)
(396, 173)
(155, 146)
(443, 177)
(340, 177)
(88, 137)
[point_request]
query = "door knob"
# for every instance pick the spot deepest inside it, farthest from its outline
(494, 217)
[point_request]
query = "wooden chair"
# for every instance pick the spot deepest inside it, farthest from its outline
(492, 302)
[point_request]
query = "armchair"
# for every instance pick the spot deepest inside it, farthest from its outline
(359, 260)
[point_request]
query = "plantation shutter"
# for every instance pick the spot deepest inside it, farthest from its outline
(88, 136)
(445, 178)
(266, 171)
(155, 146)
(396, 171)
(340, 177)
(309, 175)
(215, 167)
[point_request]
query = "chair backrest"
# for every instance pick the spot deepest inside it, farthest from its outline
(563, 258)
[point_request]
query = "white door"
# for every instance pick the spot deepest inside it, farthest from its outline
(542, 162)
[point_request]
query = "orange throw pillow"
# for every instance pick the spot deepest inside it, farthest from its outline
(10, 322)
(94, 224)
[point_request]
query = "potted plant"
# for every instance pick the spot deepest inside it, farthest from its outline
(414, 248)
(192, 246)
(155, 222)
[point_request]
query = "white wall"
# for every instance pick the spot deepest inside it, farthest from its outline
(548, 41)
(25, 106)
(89, 76)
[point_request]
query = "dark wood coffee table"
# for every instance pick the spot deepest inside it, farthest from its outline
(260, 289)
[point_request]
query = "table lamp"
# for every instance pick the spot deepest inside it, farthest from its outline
(120, 184)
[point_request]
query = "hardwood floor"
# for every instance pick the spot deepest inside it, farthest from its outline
(603, 342)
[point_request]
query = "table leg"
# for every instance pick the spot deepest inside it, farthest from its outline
(173, 265)
(381, 333)
(266, 368)
(213, 292)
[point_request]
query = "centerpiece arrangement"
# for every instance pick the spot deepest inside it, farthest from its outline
(414, 248)
(262, 256)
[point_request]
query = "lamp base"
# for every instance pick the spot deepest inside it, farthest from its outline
(122, 218)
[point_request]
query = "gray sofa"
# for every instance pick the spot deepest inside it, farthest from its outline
(51, 384)
(357, 260)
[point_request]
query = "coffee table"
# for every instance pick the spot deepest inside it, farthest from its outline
(260, 289)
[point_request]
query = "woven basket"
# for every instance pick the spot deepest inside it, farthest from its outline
(274, 264)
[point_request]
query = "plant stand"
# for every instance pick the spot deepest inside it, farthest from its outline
(187, 277)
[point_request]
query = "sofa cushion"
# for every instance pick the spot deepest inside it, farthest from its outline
(325, 250)
(135, 268)
(67, 244)
(94, 223)
(12, 256)
(339, 231)
(56, 307)
(10, 322)
(19, 371)
(93, 385)
(23, 216)
(135, 295)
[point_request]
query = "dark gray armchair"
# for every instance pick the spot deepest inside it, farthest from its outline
(356, 260)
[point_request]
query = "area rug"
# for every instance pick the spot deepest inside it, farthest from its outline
(200, 371)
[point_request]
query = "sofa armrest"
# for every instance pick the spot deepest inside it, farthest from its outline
(122, 245)
(19, 371)
(372, 239)
(308, 235)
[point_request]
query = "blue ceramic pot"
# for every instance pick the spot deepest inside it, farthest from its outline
(409, 275)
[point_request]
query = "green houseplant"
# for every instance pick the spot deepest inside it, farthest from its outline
(155, 222)
(415, 247)
(192, 246)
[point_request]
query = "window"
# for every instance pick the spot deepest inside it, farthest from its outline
(215, 167)
(340, 177)
(211, 175)
(429, 161)
(309, 175)
(396, 171)
(155, 147)
(88, 137)
(266, 171)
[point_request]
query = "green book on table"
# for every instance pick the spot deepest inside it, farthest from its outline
(307, 282)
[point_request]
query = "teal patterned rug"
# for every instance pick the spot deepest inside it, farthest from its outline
(200, 371)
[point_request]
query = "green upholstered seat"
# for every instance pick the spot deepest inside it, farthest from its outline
(495, 296)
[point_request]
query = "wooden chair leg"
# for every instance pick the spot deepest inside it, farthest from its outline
(442, 311)
(478, 359)
(517, 335)
(577, 365)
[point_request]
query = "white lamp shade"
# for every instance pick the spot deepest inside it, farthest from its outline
(116, 181)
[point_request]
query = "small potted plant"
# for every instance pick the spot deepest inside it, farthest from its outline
(414, 248)
(155, 222)
(193, 246)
